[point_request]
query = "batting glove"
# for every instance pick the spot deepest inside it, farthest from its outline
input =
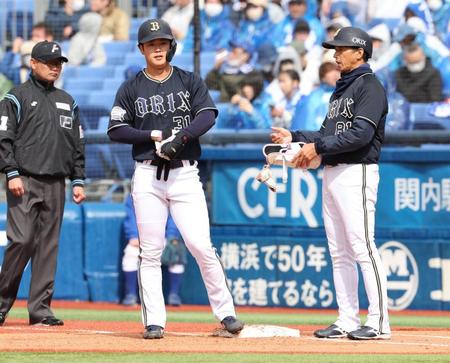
(172, 148)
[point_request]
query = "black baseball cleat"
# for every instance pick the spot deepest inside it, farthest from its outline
(368, 333)
(332, 332)
(2, 318)
(153, 332)
(232, 325)
(48, 321)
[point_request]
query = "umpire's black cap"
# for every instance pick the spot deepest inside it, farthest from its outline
(350, 37)
(45, 51)
(154, 29)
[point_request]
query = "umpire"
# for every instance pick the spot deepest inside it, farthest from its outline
(41, 143)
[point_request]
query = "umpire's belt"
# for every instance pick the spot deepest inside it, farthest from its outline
(167, 165)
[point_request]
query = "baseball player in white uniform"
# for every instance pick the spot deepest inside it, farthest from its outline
(148, 108)
(349, 142)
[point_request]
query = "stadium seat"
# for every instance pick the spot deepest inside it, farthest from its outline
(77, 84)
(112, 84)
(134, 58)
(421, 117)
(19, 23)
(123, 160)
(118, 47)
(98, 161)
(104, 98)
(89, 72)
(80, 96)
(90, 115)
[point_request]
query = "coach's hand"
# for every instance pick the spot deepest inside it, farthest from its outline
(78, 194)
(172, 148)
(280, 135)
(304, 157)
(15, 186)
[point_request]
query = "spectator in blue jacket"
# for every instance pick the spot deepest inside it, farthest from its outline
(217, 28)
(249, 108)
(283, 32)
(130, 259)
(312, 109)
(256, 27)
(440, 12)
(282, 112)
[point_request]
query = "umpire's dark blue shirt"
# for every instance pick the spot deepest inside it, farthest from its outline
(353, 130)
(145, 103)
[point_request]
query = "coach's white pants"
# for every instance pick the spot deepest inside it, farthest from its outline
(349, 198)
(183, 195)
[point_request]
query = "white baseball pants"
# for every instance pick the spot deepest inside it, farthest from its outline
(183, 195)
(349, 198)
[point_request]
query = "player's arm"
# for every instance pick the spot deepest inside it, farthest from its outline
(121, 122)
(205, 113)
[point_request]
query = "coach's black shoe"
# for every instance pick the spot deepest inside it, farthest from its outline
(48, 321)
(367, 333)
(153, 332)
(2, 318)
(232, 325)
(332, 332)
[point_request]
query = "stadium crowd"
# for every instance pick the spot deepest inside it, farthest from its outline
(263, 60)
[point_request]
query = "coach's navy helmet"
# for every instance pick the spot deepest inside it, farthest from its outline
(350, 37)
(157, 29)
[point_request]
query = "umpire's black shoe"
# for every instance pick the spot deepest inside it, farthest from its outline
(48, 321)
(232, 325)
(368, 333)
(153, 332)
(332, 332)
(2, 318)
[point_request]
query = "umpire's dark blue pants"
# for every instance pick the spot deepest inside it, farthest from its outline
(33, 226)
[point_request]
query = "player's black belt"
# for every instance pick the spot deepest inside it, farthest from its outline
(167, 165)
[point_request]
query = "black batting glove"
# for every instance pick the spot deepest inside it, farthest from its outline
(172, 148)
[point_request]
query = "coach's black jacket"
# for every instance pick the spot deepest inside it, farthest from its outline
(40, 133)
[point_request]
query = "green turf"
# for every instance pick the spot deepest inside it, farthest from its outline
(249, 318)
(214, 358)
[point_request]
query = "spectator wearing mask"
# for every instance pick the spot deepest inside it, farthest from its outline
(84, 47)
(284, 30)
(283, 112)
(217, 29)
(418, 80)
(179, 17)
(230, 69)
(255, 27)
(312, 108)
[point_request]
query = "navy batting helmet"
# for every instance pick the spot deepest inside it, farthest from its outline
(157, 29)
(350, 37)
